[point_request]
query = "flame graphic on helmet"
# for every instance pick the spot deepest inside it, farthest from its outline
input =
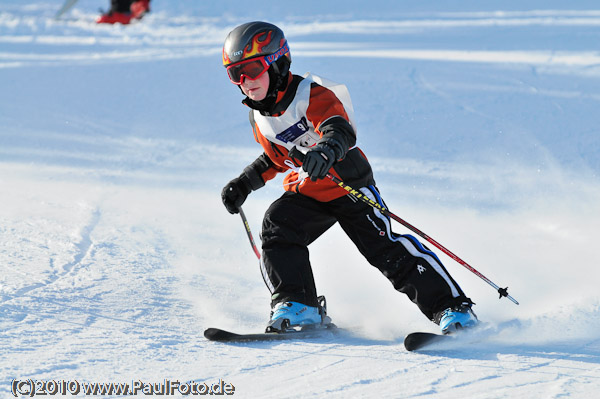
(257, 45)
(226, 60)
(255, 48)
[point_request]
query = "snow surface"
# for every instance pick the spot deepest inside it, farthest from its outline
(480, 118)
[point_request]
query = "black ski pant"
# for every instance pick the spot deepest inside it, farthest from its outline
(294, 221)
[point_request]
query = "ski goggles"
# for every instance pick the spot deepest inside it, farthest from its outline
(254, 67)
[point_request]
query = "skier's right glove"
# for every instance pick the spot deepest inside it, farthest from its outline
(235, 193)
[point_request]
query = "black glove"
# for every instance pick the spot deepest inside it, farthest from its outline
(235, 193)
(318, 161)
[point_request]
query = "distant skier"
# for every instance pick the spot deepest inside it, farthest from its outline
(316, 116)
(124, 11)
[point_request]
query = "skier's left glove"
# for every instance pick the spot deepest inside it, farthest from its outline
(321, 158)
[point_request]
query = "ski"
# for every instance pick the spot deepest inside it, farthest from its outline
(418, 340)
(217, 334)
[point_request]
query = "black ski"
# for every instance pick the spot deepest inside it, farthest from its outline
(417, 340)
(217, 334)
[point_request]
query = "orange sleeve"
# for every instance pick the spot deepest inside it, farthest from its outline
(323, 105)
(270, 174)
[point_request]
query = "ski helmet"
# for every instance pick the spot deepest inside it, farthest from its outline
(254, 48)
(252, 39)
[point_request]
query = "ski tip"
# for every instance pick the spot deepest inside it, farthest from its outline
(209, 333)
(216, 334)
(417, 340)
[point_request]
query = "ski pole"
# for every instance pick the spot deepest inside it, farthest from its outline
(248, 232)
(66, 7)
(296, 153)
(263, 271)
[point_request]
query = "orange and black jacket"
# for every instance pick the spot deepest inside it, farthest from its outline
(327, 114)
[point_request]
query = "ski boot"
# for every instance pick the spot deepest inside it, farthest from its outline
(456, 318)
(286, 316)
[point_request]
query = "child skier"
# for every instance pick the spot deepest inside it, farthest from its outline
(290, 113)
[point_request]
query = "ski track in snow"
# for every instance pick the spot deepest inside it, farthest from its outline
(115, 252)
(82, 249)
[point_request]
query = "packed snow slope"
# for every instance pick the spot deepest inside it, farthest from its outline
(480, 119)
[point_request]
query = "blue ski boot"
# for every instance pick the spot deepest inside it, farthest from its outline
(287, 315)
(456, 318)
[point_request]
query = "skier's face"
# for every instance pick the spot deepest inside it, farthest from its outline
(256, 89)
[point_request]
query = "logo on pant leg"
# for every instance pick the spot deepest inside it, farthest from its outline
(381, 232)
(421, 269)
